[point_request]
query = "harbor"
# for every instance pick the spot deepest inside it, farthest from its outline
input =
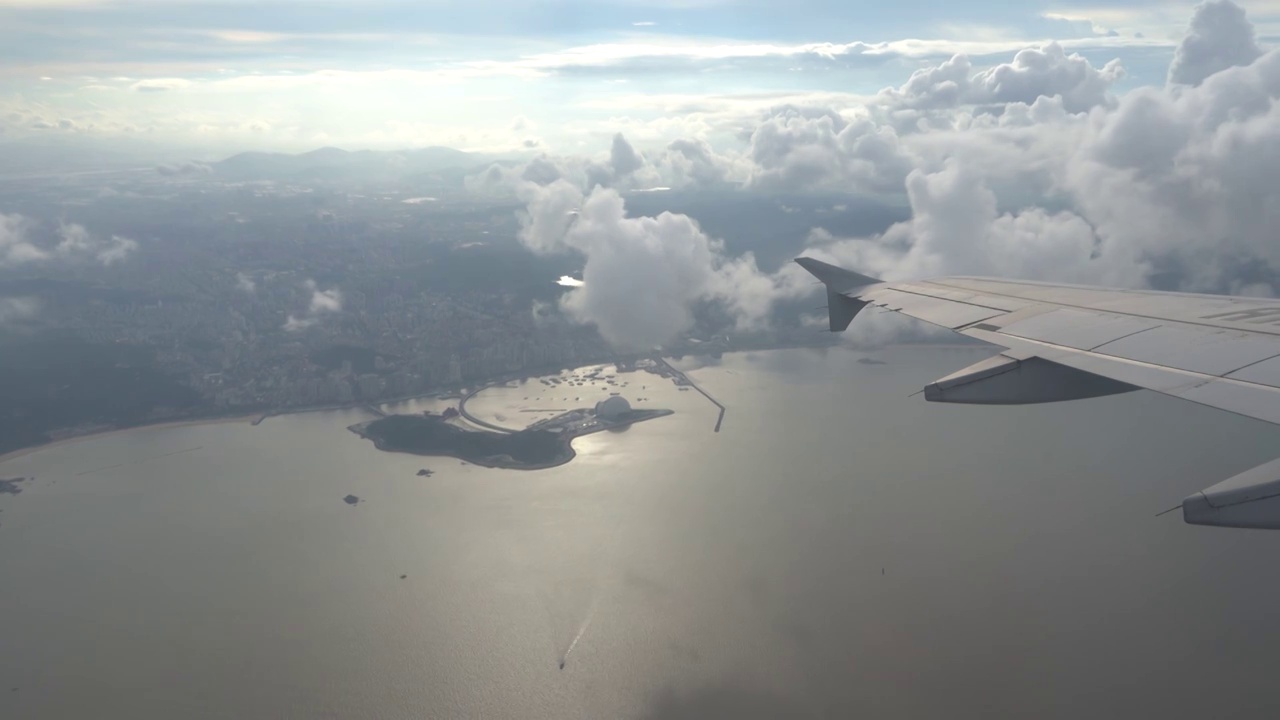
(549, 398)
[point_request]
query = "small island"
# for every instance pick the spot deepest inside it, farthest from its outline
(544, 444)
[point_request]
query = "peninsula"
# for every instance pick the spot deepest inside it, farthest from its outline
(542, 445)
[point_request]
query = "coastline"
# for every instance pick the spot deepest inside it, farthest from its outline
(254, 419)
(258, 417)
(72, 439)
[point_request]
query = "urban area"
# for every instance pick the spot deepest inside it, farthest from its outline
(234, 290)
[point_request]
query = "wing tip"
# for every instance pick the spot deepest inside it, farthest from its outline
(835, 277)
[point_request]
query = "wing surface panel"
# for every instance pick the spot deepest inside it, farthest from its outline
(1213, 352)
(1148, 351)
(1266, 372)
(1076, 329)
(1217, 351)
(947, 313)
(1253, 315)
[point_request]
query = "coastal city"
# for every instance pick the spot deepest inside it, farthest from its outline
(270, 296)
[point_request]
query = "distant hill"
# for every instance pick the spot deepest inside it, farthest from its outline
(332, 163)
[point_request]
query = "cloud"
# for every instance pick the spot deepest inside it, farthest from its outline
(622, 163)
(1029, 169)
(184, 169)
(693, 161)
(117, 250)
(955, 228)
(15, 247)
(17, 309)
(679, 55)
(76, 243)
(684, 162)
(1188, 174)
(623, 159)
(642, 276)
(1173, 187)
(155, 85)
(624, 167)
(1219, 37)
(296, 324)
(175, 73)
(1046, 71)
(321, 303)
(807, 148)
(543, 313)
(246, 283)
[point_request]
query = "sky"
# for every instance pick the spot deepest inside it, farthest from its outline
(1041, 164)
(218, 76)
(1124, 144)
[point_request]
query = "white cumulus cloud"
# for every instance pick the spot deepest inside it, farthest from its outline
(1046, 71)
(643, 275)
(805, 148)
(321, 302)
(1220, 36)
(76, 242)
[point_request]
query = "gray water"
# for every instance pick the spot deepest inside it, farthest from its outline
(840, 549)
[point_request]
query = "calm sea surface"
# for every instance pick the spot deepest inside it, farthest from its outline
(840, 549)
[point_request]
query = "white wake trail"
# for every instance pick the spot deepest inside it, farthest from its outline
(586, 623)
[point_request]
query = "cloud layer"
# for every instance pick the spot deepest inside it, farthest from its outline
(205, 78)
(1033, 168)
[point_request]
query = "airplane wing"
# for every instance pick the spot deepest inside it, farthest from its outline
(1067, 342)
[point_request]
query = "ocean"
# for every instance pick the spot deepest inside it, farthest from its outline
(841, 548)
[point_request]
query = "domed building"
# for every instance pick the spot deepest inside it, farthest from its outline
(612, 408)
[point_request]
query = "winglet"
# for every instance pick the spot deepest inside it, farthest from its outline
(835, 278)
(840, 307)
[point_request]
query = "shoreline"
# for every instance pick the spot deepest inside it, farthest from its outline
(164, 424)
(257, 418)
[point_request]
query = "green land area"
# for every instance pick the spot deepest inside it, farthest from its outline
(433, 435)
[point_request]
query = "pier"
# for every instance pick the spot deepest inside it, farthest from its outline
(683, 380)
